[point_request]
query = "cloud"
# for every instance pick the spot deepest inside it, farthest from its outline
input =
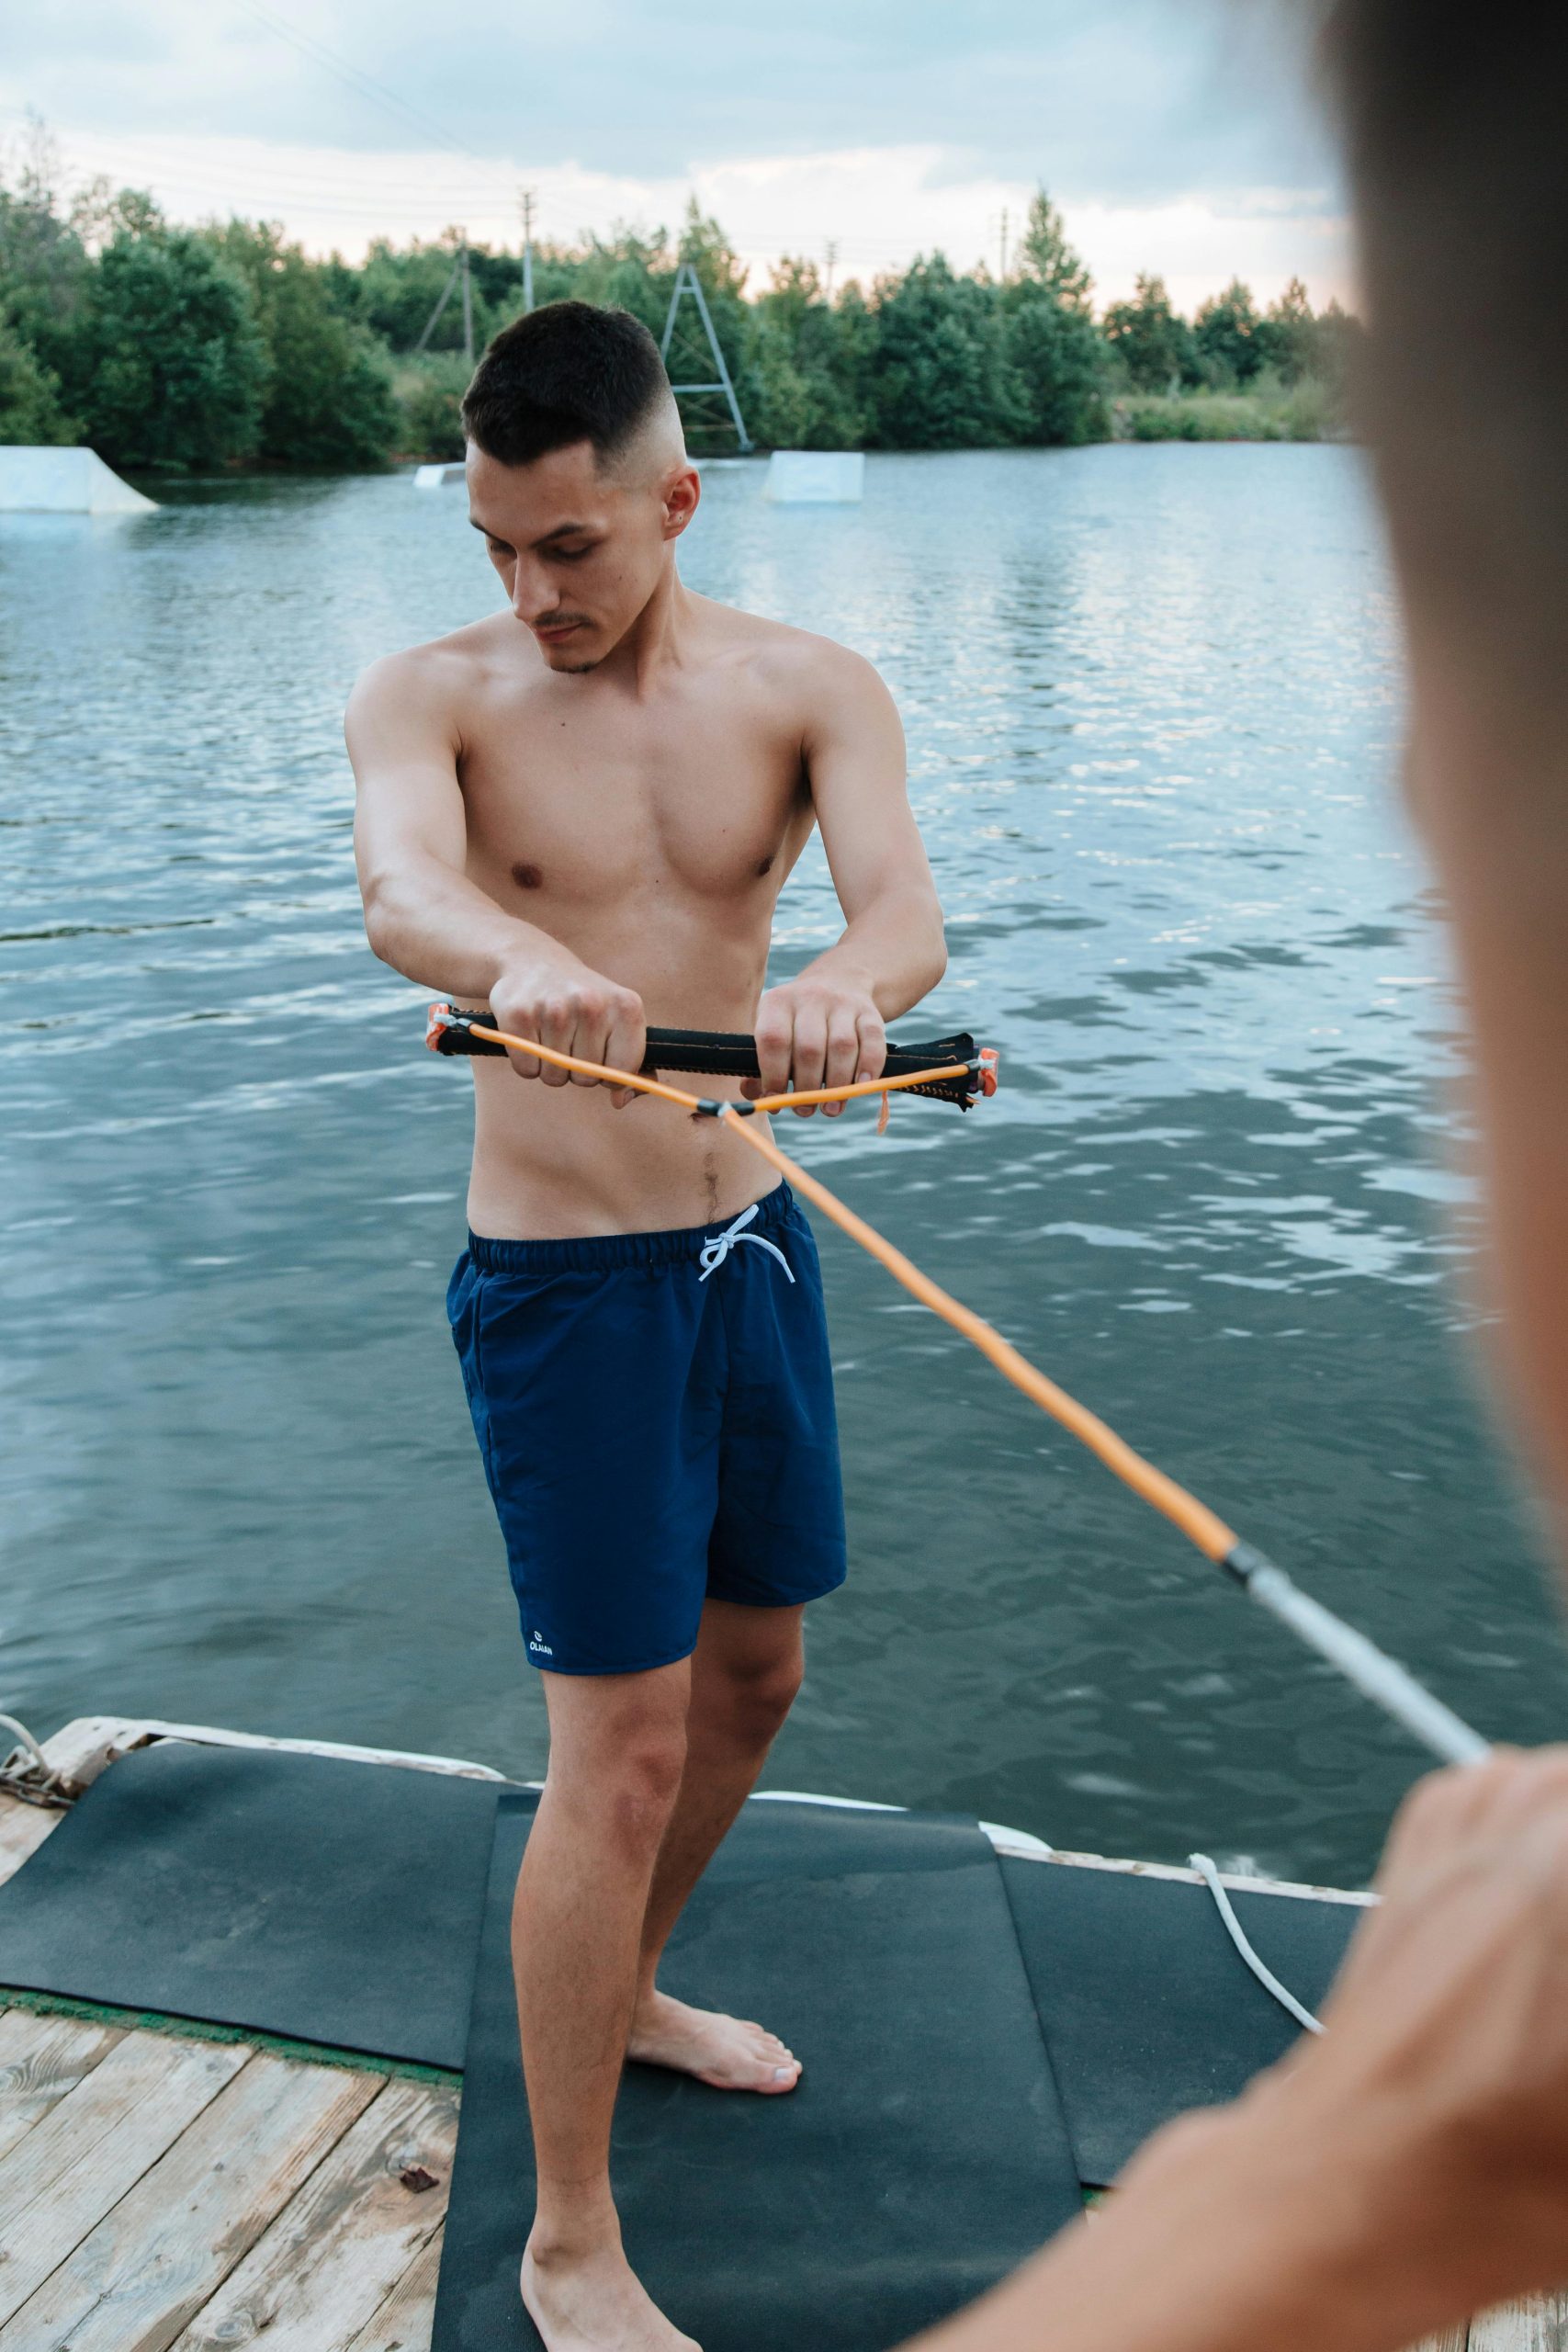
(1129, 101)
(1175, 133)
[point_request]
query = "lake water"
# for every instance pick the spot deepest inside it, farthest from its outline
(1153, 702)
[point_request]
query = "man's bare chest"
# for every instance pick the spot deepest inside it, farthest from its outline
(599, 804)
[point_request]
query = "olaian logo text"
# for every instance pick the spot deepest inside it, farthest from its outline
(537, 1642)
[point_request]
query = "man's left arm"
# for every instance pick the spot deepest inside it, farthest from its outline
(826, 1026)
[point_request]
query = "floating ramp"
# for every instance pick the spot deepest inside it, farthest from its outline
(37, 480)
(987, 2029)
(816, 478)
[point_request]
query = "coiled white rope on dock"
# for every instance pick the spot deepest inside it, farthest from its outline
(26, 1772)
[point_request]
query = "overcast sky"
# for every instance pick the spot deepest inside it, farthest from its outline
(1175, 133)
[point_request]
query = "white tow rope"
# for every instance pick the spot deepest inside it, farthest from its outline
(1266, 1977)
(714, 1252)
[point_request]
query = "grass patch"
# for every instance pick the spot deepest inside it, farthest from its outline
(314, 2054)
(1309, 410)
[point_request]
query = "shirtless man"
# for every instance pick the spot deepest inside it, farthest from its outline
(580, 811)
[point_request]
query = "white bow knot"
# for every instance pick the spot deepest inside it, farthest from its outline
(714, 1252)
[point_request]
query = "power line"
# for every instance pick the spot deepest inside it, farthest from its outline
(365, 84)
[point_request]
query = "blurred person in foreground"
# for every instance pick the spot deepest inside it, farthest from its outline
(1411, 2167)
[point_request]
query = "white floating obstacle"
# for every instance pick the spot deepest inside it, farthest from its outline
(816, 476)
(37, 480)
(437, 477)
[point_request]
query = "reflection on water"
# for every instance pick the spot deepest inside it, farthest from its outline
(1152, 701)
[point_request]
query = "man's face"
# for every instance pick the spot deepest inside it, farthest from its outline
(579, 549)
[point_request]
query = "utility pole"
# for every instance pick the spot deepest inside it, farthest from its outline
(830, 250)
(527, 211)
(460, 271)
(468, 305)
(1004, 244)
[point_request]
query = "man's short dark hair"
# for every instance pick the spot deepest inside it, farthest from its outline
(566, 373)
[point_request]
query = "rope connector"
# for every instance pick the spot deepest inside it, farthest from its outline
(440, 1018)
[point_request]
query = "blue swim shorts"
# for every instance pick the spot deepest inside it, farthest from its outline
(655, 1411)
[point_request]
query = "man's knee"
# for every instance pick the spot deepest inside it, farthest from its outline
(622, 1783)
(641, 1785)
(751, 1697)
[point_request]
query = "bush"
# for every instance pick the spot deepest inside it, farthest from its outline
(171, 365)
(1313, 410)
(328, 398)
(1058, 359)
(29, 396)
(944, 380)
(429, 392)
(1153, 347)
(1267, 410)
(1199, 416)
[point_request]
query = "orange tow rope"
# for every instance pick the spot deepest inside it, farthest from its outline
(1197, 1522)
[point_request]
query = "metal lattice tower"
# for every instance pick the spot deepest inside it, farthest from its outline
(688, 282)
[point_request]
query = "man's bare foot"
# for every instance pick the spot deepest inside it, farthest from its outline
(731, 2053)
(594, 2302)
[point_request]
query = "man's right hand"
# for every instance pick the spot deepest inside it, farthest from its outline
(549, 995)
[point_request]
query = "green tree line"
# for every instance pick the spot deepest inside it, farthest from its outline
(170, 347)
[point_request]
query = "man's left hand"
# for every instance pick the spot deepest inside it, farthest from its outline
(816, 1031)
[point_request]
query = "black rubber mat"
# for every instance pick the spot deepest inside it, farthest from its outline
(922, 2157)
(301, 1895)
(1147, 2007)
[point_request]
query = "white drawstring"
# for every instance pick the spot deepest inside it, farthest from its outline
(716, 1252)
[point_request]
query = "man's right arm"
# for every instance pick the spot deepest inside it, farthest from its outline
(422, 914)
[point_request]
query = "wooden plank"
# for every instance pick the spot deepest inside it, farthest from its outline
(1539, 2324)
(406, 2319)
(85, 1748)
(79, 2162)
(332, 2258)
(42, 2059)
(1362, 1899)
(148, 2267)
(23, 1828)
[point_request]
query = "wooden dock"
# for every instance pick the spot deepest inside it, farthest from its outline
(169, 2190)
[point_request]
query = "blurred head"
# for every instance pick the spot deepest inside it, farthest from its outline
(578, 474)
(1459, 168)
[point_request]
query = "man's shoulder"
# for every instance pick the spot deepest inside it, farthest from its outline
(786, 657)
(442, 672)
